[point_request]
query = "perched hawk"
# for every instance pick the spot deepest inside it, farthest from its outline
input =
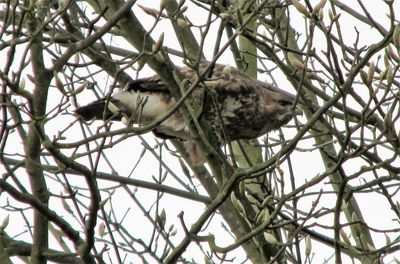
(237, 107)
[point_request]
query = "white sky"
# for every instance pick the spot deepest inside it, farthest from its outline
(124, 156)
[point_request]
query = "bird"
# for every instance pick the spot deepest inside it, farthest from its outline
(234, 104)
(243, 108)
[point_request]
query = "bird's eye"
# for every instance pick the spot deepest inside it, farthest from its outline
(285, 102)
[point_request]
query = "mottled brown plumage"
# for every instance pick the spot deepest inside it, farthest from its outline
(236, 106)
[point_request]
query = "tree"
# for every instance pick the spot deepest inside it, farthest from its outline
(105, 193)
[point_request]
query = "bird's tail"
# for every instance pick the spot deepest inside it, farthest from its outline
(96, 110)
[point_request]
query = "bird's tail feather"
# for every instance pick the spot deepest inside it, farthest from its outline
(96, 110)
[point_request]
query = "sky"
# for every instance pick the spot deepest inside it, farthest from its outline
(127, 158)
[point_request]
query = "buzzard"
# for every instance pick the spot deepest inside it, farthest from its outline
(236, 106)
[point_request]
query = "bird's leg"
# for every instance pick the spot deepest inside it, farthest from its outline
(196, 158)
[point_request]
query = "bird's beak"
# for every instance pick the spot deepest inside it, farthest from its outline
(297, 111)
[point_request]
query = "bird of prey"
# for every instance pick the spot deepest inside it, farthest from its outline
(238, 107)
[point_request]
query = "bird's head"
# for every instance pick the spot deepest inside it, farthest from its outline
(279, 105)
